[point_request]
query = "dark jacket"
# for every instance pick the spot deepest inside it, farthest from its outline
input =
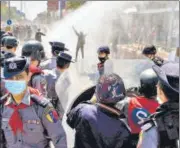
(97, 128)
(38, 36)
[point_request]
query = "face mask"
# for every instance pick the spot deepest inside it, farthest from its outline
(159, 100)
(102, 59)
(15, 87)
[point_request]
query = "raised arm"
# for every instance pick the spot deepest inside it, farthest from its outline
(75, 31)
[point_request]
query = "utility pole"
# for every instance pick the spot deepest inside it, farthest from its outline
(21, 5)
(9, 9)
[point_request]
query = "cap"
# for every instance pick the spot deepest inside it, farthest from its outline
(14, 66)
(167, 73)
(151, 49)
(10, 41)
(59, 45)
(110, 89)
(65, 56)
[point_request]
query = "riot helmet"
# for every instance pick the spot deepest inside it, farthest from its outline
(34, 50)
(110, 89)
(148, 82)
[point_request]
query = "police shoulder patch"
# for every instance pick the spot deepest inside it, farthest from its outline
(50, 114)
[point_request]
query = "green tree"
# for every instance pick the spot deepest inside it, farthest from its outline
(74, 4)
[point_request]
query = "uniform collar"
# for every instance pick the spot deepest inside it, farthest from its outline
(25, 100)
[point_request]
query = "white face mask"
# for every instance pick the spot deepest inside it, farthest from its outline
(159, 100)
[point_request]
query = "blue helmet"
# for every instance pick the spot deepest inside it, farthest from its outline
(104, 49)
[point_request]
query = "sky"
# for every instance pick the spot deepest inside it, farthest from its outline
(31, 8)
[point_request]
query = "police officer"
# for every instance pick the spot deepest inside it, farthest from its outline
(38, 35)
(80, 43)
(150, 52)
(140, 103)
(35, 51)
(10, 44)
(161, 130)
(103, 56)
(63, 62)
(98, 125)
(27, 119)
(56, 48)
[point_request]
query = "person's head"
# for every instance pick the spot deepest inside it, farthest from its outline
(10, 43)
(34, 50)
(168, 84)
(148, 82)
(63, 61)
(39, 29)
(57, 47)
(149, 51)
(110, 89)
(103, 53)
(16, 70)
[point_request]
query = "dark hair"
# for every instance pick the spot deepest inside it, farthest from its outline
(61, 63)
(148, 91)
(169, 93)
(9, 47)
(55, 51)
(27, 70)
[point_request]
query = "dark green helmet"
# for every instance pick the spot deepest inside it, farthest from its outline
(148, 82)
(34, 50)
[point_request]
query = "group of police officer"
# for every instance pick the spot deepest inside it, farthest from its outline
(31, 112)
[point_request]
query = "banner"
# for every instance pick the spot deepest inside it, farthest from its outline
(53, 5)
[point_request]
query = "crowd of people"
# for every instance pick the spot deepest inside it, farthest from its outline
(116, 117)
(25, 32)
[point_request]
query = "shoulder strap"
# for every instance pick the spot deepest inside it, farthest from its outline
(40, 100)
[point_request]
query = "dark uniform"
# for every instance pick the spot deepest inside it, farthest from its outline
(27, 124)
(35, 51)
(98, 125)
(151, 50)
(140, 103)
(51, 77)
(38, 35)
(80, 43)
(161, 130)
